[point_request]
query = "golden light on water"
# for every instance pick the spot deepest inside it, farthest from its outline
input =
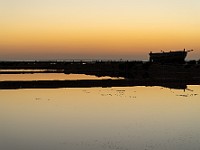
(99, 118)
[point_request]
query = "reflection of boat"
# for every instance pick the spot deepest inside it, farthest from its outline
(169, 57)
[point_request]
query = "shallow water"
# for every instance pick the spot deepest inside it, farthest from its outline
(50, 76)
(131, 118)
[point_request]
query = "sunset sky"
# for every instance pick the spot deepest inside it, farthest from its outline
(97, 29)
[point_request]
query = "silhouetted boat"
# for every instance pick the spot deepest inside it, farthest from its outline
(169, 57)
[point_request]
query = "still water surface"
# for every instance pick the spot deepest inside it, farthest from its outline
(51, 76)
(131, 118)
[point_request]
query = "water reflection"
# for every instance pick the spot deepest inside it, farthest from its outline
(50, 76)
(100, 118)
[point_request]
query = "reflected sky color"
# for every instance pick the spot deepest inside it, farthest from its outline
(100, 118)
(129, 29)
(50, 76)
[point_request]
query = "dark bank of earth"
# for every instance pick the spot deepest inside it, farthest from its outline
(135, 73)
(128, 69)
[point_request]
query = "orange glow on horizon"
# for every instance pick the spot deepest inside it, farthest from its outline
(99, 29)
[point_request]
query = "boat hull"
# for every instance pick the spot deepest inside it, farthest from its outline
(168, 57)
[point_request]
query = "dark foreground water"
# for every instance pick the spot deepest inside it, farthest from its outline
(131, 118)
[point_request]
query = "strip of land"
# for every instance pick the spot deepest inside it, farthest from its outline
(136, 73)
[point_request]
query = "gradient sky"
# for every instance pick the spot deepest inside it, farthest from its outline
(67, 29)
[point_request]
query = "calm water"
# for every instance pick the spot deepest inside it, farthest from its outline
(50, 76)
(132, 118)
